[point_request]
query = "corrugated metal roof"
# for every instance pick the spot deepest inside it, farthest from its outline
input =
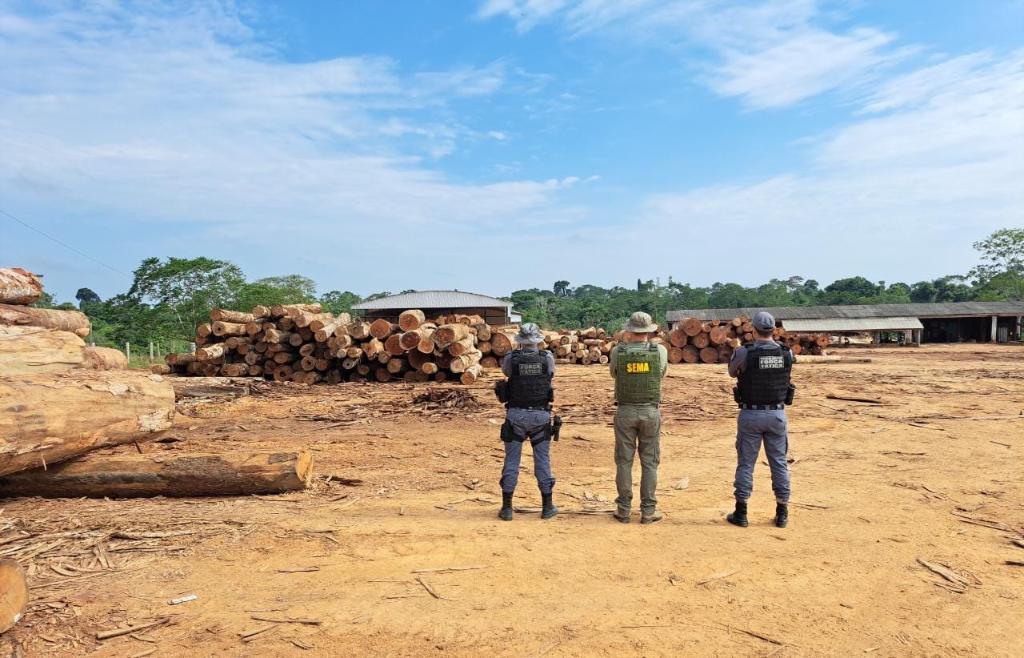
(950, 309)
(852, 324)
(425, 299)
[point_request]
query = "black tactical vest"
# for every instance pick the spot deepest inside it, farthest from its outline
(530, 382)
(765, 379)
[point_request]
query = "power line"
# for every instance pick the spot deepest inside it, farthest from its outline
(61, 242)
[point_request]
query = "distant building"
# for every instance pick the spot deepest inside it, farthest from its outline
(441, 302)
(950, 322)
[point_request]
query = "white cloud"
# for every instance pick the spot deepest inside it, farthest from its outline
(936, 162)
(770, 54)
(168, 118)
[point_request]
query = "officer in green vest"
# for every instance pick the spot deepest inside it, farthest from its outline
(638, 366)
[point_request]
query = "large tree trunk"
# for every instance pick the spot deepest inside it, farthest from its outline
(48, 418)
(105, 358)
(18, 286)
(411, 319)
(133, 476)
(72, 321)
(38, 350)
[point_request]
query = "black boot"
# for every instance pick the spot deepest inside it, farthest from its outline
(781, 515)
(739, 517)
(506, 506)
(548, 510)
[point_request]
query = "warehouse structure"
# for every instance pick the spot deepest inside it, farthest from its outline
(433, 303)
(951, 322)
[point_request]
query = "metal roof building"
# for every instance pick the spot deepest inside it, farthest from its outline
(943, 322)
(440, 302)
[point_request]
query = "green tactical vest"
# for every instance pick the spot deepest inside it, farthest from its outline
(638, 374)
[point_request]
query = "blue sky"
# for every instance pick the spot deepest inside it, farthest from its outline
(506, 144)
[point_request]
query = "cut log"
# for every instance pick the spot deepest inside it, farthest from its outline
(359, 330)
(678, 338)
(18, 286)
(306, 319)
(208, 352)
(701, 340)
(709, 355)
(224, 315)
(134, 476)
(260, 311)
(675, 354)
(719, 335)
(411, 319)
(221, 328)
(286, 310)
(462, 363)
(502, 343)
(209, 387)
(462, 346)
(105, 358)
(73, 321)
(483, 331)
(691, 354)
(447, 334)
(393, 345)
(471, 374)
(381, 328)
(52, 417)
(691, 326)
(13, 594)
(38, 350)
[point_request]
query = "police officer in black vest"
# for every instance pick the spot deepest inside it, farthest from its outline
(764, 388)
(527, 395)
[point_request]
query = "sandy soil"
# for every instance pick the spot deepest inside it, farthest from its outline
(932, 473)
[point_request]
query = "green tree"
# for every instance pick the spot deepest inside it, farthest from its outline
(561, 288)
(86, 296)
(289, 289)
(337, 302)
(1000, 275)
(183, 290)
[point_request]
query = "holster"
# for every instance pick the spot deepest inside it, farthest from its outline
(501, 391)
(736, 395)
(790, 393)
(509, 434)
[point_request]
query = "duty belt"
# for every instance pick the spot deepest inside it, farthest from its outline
(763, 407)
(532, 408)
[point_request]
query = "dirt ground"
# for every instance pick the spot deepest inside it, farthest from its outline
(933, 473)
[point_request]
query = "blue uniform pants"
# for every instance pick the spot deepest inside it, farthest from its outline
(754, 427)
(527, 423)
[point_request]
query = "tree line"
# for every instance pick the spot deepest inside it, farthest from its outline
(169, 297)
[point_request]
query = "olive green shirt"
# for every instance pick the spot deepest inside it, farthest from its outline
(662, 354)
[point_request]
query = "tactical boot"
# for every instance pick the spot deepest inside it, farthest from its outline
(621, 515)
(653, 517)
(781, 515)
(506, 506)
(548, 510)
(739, 517)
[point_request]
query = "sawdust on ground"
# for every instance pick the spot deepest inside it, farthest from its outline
(413, 561)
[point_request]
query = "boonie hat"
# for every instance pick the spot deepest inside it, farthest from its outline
(529, 334)
(640, 323)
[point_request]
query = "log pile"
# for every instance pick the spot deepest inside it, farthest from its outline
(301, 343)
(695, 341)
(584, 347)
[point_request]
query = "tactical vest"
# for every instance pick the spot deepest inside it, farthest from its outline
(637, 374)
(765, 379)
(530, 382)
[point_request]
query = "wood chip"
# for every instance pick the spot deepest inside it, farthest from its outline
(426, 586)
(250, 635)
(718, 576)
(947, 573)
(288, 620)
(448, 569)
(118, 632)
(298, 569)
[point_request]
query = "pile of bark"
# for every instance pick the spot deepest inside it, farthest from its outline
(714, 341)
(301, 343)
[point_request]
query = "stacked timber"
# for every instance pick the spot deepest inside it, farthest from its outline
(714, 341)
(56, 406)
(584, 347)
(301, 343)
